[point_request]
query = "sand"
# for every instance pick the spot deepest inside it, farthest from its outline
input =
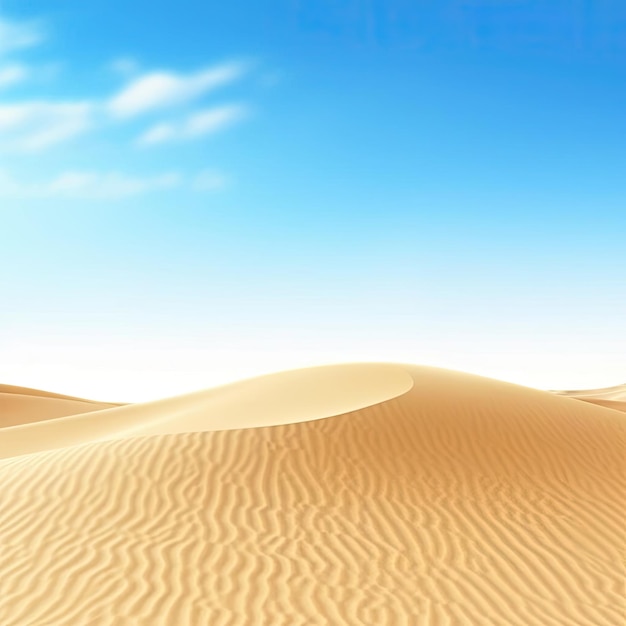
(360, 494)
(610, 397)
(21, 405)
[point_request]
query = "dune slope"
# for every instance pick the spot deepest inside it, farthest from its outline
(610, 397)
(29, 391)
(454, 500)
(615, 405)
(20, 405)
(293, 396)
(617, 393)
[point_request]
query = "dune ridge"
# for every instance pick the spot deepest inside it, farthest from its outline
(615, 405)
(452, 500)
(29, 391)
(617, 393)
(22, 405)
(293, 396)
(610, 397)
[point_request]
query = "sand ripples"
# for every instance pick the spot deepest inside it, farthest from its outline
(462, 501)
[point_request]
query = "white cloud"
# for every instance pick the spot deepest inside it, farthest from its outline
(33, 126)
(16, 35)
(158, 134)
(12, 74)
(160, 90)
(212, 120)
(94, 185)
(198, 124)
(88, 185)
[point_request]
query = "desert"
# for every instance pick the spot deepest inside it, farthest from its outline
(312, 313)
(365, 493)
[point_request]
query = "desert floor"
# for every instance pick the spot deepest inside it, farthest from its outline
(356, 494)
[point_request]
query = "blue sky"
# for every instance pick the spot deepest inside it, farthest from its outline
(194, 192)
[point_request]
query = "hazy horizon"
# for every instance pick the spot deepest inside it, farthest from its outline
(271, 187)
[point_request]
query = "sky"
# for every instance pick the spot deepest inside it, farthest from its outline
(193, 193)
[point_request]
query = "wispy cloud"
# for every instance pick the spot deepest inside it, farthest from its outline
(12, 73)
(173, 102)
(16, 35)
(32, 126)
(88, 185)
(198, 124)
(109, 185)
(92, 185)
(159, 90)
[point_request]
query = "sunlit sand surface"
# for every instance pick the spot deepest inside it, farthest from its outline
(356, 494)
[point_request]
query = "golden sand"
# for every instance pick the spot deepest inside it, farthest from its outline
(359, 494)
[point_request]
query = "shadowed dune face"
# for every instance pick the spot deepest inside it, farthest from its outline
(455, 500)
(28, 391)
(608, 404)
(19, 405)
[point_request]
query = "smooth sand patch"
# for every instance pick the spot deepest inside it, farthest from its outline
(610, 397)
(456, 500)
(293, 396)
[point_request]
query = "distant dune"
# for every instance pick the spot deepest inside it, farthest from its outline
(365, 494)
(611, 397)
(21, 405)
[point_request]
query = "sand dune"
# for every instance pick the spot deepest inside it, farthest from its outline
(361, 494)
(609, 404)
(21, 405)
(610, 397)
(28, 391)
(617, 393)
(284, 398)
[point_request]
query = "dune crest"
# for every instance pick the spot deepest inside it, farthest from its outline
(29, 391)
(617, 393)
(292, 396)
(22, 405)
(457, 500)
(610, 397)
